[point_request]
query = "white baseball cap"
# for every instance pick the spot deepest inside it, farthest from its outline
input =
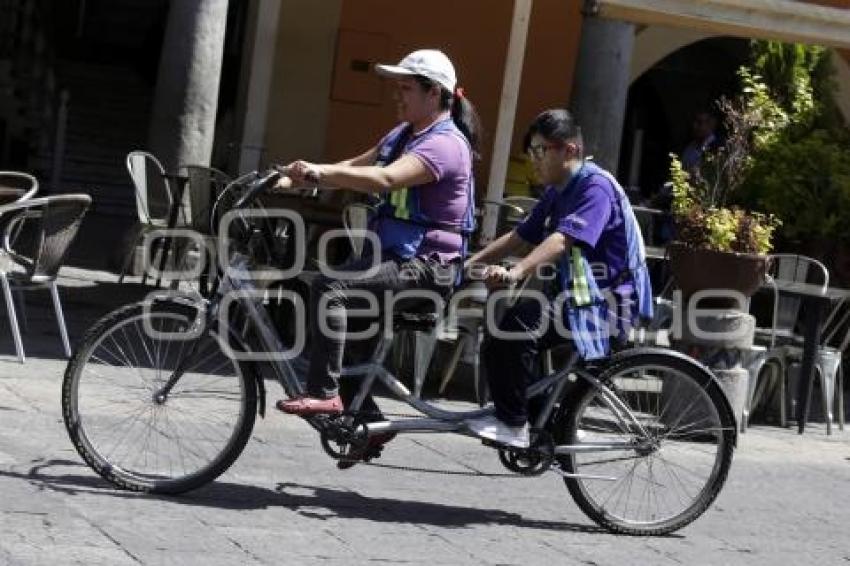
(429, 63)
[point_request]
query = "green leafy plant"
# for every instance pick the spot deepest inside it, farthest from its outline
(785, 153)
(726, 229)
(700, 197)
(802, 173)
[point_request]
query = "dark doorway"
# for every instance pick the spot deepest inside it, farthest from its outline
(662, 104)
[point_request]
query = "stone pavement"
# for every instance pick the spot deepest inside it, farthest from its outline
(786, 500)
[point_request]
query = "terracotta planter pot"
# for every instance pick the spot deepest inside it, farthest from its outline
(698, 270)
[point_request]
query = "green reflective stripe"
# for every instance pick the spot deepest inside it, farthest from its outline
(581, 288)
(399, 201)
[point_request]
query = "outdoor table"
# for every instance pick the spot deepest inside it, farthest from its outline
(814, 302)
(646, 218)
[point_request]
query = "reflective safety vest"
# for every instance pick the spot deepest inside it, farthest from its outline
(587, 314)
(401, 224)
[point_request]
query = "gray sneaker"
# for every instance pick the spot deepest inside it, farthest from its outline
(491, 428)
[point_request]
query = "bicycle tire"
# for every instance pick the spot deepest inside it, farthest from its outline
(120, 476)
(568, 432)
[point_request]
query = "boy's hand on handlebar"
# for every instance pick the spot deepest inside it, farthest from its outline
(497, 277)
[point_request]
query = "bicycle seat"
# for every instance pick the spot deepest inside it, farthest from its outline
(418, 314)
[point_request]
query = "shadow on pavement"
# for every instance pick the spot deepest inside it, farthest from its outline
(314, 502)
(82, 305)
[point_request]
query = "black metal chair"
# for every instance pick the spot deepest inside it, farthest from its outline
(36, 238)
(776, 343)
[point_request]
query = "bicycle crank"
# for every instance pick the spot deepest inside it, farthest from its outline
(531, 461)
(339, 438)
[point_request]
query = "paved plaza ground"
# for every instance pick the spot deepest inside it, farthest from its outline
(284, 502)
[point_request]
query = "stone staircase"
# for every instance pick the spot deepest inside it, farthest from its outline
(107, 116)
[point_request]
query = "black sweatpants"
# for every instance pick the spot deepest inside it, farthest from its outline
(393, 275)
(513, 364)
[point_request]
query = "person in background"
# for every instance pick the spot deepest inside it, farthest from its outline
(704, 138)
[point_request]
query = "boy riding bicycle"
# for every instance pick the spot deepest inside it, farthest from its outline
(585, 226)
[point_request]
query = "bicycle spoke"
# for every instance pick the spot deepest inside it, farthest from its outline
(674, 459)
(158, 439)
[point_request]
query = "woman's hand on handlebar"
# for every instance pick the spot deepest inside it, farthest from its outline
(303, 172)
(285, 182)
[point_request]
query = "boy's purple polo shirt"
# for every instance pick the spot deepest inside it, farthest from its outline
(446, 199)
(589, 212)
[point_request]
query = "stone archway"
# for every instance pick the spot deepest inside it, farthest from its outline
(654, 43)
(657, 120)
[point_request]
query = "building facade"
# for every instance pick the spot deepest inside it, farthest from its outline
(84, 81)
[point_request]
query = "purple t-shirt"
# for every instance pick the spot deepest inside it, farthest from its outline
(446, 199)
(589, 212)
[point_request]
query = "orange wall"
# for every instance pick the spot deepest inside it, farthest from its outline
(550, 57)
(831, 3)
(474, 33)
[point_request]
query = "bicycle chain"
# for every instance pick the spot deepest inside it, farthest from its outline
(547, 459)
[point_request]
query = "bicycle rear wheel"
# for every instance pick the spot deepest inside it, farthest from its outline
(670, 468)
(123, 426)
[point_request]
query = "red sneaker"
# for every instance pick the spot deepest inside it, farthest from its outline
(306, 406)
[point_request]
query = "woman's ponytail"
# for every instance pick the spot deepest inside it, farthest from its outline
(466, 119)
(462, 110)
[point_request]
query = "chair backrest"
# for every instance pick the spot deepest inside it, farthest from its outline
(57, 220)
(525, 203)
(793, 268)
(205, 184)
(512, 210)
(355, 216)
(16, 186)
(153, 193)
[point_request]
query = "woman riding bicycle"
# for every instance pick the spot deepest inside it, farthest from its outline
(585, 227)
(423, 168)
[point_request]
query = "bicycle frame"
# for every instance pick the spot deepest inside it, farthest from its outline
(434, 418)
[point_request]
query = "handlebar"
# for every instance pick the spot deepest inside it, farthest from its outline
(266, 180)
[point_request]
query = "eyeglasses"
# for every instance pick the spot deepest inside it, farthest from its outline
(538, 151)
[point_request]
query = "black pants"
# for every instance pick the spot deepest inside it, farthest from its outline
(513, 364)
(341, 295)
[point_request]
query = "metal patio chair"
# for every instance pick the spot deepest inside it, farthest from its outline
(154, 200)
(52, 224)
(777, 342)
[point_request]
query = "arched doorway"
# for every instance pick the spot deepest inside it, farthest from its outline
(663, 101)
(675, 72)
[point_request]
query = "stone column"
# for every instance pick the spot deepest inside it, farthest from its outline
(186, 96)
(602, 85)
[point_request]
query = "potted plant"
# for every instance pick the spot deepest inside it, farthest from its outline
(718, 245)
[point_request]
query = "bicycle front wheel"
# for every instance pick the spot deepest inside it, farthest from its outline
(132, 429)
(653, 460)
